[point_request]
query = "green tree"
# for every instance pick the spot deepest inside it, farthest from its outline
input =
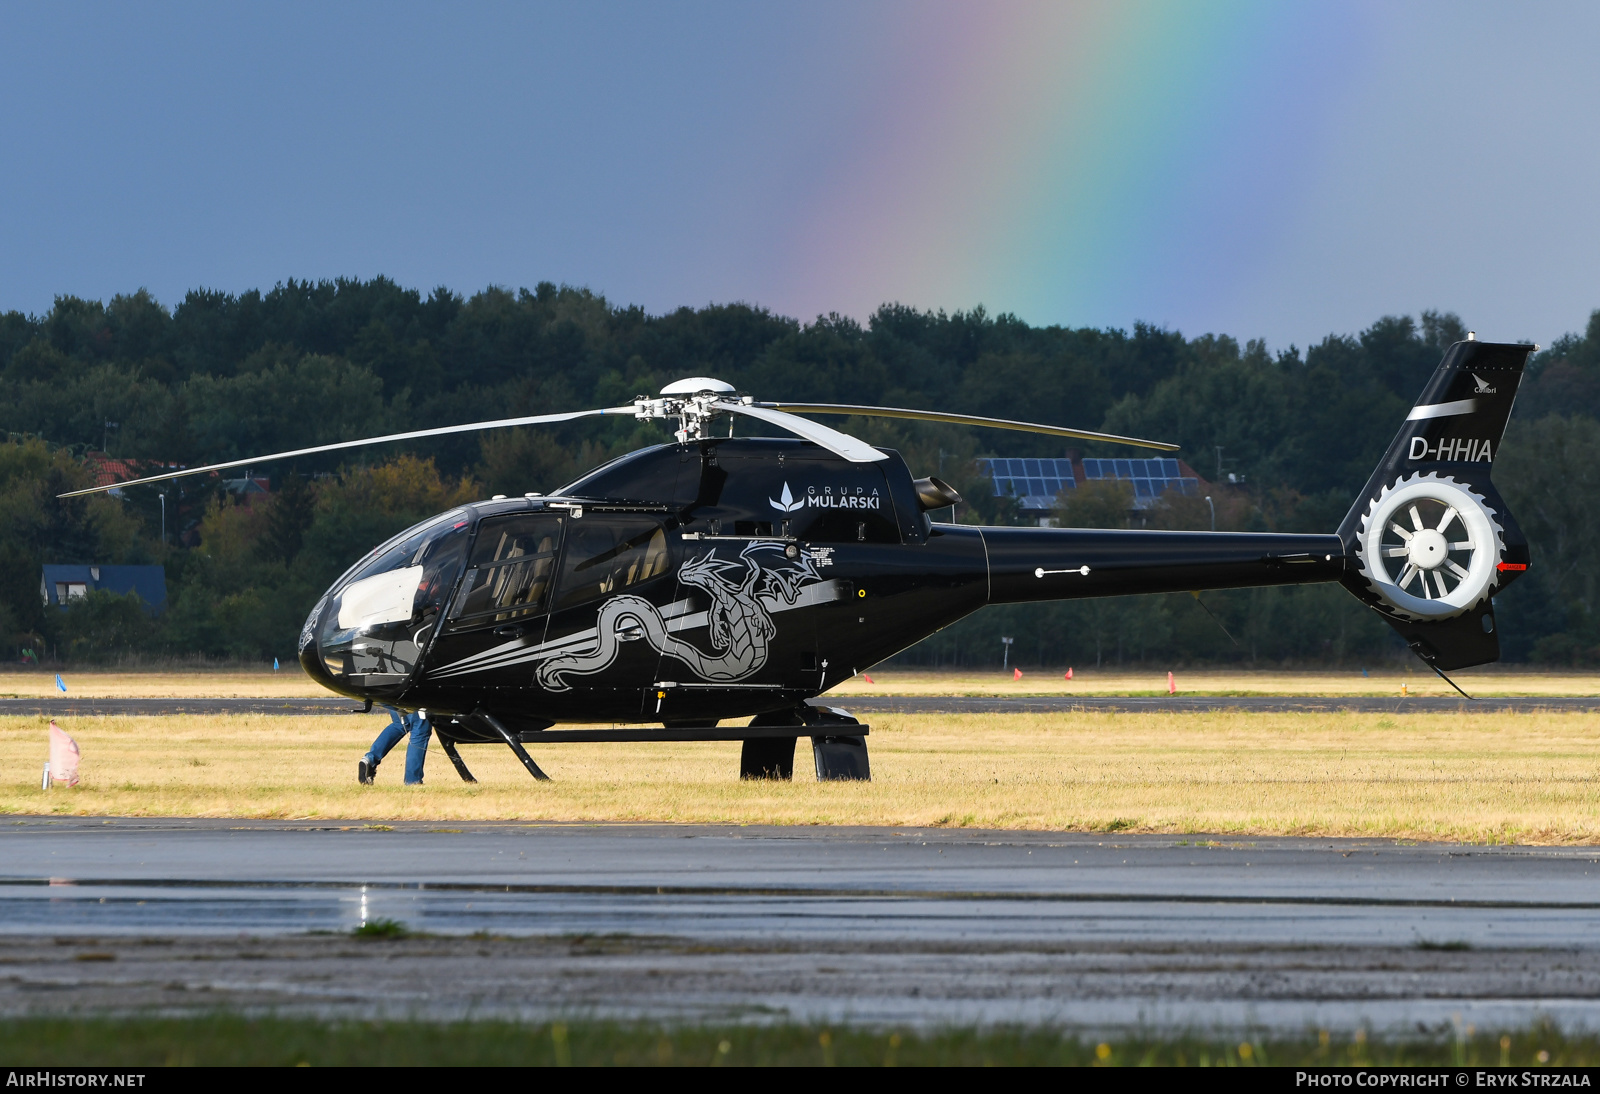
(1097, 503)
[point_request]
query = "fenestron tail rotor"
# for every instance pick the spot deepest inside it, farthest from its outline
(695, 402)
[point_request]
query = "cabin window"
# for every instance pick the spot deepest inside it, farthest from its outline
(509, 575)
(607, 554)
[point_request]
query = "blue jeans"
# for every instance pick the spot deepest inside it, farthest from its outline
(416, 751)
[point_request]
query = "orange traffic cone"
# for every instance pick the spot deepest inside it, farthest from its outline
(1016, 674)
(1069, 674)
(1172, 687)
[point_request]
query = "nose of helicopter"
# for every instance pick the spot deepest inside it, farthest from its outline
(368, 634)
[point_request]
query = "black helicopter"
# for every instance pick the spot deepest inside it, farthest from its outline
(718, 578)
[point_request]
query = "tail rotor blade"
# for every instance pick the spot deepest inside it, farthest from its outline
(964, 419)
(416, 434)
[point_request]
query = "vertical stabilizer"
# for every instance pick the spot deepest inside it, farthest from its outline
(1431, 538)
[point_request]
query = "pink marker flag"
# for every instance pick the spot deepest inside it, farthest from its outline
(1016, 674)
(1172, 685)
(868, 679)
(64, 757)
(1069, 674)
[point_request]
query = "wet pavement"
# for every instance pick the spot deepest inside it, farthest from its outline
(883, 925)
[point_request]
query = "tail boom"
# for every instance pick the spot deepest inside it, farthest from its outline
(1033, 564)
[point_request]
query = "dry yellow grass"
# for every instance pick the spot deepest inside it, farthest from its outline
(288, 683)
(1484, 777)
(292, 683)
(1488, 681)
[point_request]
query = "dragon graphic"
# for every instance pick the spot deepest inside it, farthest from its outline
(739, 621)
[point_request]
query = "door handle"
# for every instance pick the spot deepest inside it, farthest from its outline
(510, 630)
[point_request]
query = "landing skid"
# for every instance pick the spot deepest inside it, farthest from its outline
(838, 742)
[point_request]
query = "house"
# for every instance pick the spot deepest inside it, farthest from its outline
(61, 584)
(248, 490)
(1035, 483)
(105, 470)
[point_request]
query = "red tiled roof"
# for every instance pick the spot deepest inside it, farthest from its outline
(107, 470)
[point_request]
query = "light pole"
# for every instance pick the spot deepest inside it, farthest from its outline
(1005, 644)
(1213, 512)
(163, 518)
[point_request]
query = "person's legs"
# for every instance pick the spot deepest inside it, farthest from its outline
(367, 769)
(392, 734)
(417, 750)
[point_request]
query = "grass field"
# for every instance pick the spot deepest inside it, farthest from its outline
(1488, 681)
(1528, 778)
(290, 682)
(273, 1041)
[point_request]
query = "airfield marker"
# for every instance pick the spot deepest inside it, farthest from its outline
(1172, 686)
(1016, 674)
(64, 756)
(1069, 675)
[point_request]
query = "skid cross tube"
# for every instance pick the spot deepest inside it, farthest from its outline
(516, 746)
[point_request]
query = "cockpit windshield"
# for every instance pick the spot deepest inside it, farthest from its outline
(384, 610)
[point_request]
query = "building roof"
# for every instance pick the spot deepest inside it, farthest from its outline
(106, 470)
(56, 584)
(1036, 482)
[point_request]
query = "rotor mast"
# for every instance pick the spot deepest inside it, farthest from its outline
(695, 401)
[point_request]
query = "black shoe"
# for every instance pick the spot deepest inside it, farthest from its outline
(365, 774)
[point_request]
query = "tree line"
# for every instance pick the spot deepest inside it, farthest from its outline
(221, 376)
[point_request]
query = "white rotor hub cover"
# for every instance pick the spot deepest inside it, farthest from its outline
(697, 385)
(1431, 547)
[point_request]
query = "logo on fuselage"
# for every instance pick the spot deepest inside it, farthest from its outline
(785, 502)
(826, 498)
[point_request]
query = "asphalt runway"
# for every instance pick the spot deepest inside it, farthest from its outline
(885, 704)
(887, 926)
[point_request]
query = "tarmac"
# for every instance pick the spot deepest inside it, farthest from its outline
(886, 704)
(903, 927)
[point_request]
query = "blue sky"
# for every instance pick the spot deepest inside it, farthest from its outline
(819, 157)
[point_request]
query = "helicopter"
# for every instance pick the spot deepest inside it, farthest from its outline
(715, 578)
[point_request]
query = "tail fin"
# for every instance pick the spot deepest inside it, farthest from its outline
(1431, 539)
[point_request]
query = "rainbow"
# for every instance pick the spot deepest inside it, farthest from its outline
(1058, 161)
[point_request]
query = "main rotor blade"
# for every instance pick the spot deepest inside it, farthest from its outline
(502, 423)
(852, 449)
(965, 419)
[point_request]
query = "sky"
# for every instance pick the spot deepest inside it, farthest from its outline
(1266, 170)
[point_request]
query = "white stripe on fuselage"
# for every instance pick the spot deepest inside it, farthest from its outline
(1442, 410)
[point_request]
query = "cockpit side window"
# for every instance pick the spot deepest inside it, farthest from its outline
(606, 554)
(509, 575)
